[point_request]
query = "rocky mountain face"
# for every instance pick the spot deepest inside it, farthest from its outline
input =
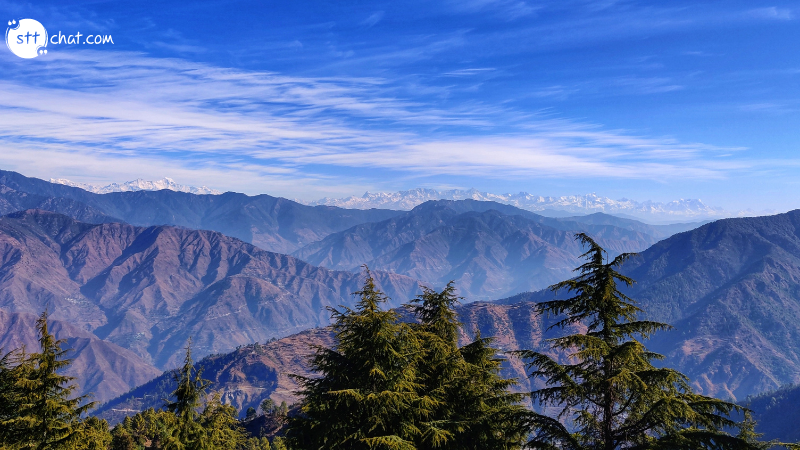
(490, 250)
(149, 289)
(674, 211)
(271, 223)
(102, 368)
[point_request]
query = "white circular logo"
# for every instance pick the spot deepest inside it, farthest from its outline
(26, 38)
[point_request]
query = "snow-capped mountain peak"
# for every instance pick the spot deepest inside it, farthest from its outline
(138, 185)
(676, 210)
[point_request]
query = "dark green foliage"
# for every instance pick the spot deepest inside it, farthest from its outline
(221, 429)
(181, 426)
(473, 408)
(492, 415)
(268, 406)
(152, 427)
(43, 416)
(93, 434)
(279, 444)
(188, 433)
(251, 414)
(367, 394)
(393, 385)
(191, 388)
(283, 410)
(257, 444)
(610, 395)
(10, 372)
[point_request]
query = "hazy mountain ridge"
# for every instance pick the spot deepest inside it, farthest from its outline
(271, 223)
(491, 250)
(676, 210)
(733, 288)
(138, 185)
(12, 200)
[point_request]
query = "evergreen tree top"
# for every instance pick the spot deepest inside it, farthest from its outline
(598, 303)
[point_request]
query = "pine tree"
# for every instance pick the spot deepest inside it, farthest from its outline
(151, 426)
(251, 414)
(187, 395)
(366, 395)
(46, 416)
(221, 428)
(9, 395)
(474, 409)
(441, 364)
(612, 396)
(257, 444)
(280, 444)
(93, 434)
(494, 416)
(268, 406)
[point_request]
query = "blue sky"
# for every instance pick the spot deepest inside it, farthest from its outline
(306, 99)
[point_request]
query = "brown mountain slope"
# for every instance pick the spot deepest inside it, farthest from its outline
(149, 289)
(102, 368)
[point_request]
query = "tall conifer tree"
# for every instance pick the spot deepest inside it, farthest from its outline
(474, 409)
(366, 395)
(191, 388)
(47, 416)
(611, 396)
(11, 368)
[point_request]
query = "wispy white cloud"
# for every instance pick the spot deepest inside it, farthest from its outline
(772, 13)
(507, 9)
(468, 72)
(373, 19)
(112, 116)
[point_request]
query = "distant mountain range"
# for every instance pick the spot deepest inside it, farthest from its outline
(271, 223)
(777, 413)
(657, 212)
(674, 211)
(138, 185)
(491, 250)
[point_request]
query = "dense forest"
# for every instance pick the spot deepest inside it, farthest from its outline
(393, 384)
